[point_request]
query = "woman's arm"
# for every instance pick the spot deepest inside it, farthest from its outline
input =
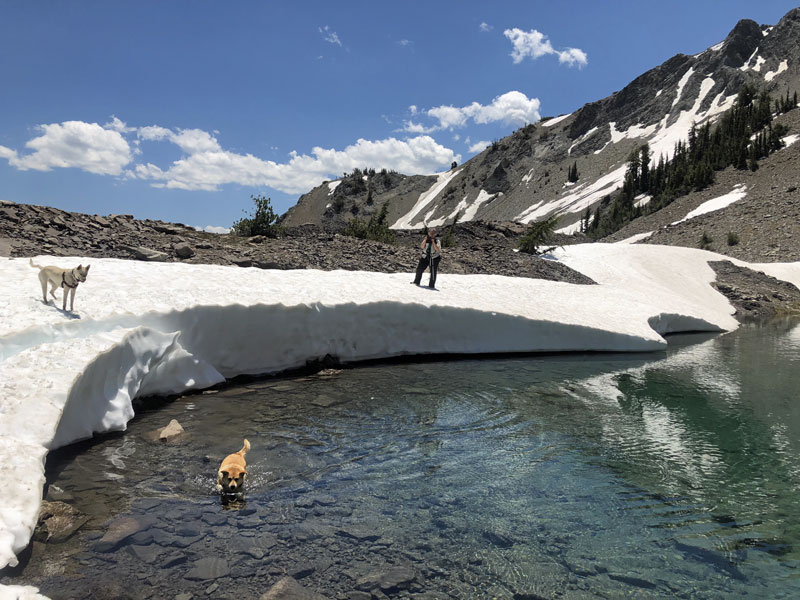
(422, 243)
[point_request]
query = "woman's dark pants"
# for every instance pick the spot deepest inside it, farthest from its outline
(424, 263)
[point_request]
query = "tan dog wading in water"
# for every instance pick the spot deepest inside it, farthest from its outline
(66, 279)
(232, 471)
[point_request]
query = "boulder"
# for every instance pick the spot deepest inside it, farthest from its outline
(184, 250)
(147, 254)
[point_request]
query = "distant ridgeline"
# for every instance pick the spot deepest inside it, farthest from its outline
(743, 135)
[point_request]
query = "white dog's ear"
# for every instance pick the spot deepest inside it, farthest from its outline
(87, 267)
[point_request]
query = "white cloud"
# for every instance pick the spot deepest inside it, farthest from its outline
(86, 146)
(154, 133)
(207, 166)
(486, 27)
(214, 229)
(573, 56)
(330, 36)
(535, 44)
(119, 126)
(512, 108)
(405, 43)
(193, 141)
(207, 169)
(411, 127)
(450, 116)
(412, 109)
(478, 146)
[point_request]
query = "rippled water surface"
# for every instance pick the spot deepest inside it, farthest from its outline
(575, 476)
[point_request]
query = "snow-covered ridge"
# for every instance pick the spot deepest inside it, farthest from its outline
(158, 328)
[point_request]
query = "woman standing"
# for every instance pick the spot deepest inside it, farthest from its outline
(431, 255)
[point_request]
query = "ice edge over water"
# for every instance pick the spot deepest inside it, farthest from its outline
(64, 380)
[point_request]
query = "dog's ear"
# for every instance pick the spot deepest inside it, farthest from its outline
(224, 474)
(87, 268)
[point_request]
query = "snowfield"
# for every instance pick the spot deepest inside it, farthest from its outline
(159, 328)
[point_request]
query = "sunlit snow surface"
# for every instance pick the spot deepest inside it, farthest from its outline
(158, 328)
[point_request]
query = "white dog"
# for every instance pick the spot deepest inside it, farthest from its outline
(66, 279)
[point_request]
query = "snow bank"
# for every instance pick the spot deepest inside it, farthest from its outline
(157, 328)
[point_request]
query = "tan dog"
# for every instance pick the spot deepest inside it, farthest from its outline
(66, 279)
(232, 471)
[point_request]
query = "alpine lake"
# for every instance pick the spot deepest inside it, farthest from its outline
(658, 475)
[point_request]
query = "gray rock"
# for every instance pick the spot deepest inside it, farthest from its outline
(184, 250)
(359, 532)
(208, 568)
(174, 559)
(288, 589)
(389, 579)
(148, 554)
(147, 254)
(120, 530)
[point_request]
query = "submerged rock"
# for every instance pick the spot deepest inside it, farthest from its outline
(57, 522)
(171, 431)
(209, 568)
(288, 589)
(120, 530)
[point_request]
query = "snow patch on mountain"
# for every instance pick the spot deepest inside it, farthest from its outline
(405, 222)
(737, 193)
(770, 75)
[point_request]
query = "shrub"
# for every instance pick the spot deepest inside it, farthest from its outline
(263, 222)
(377, 228)
(705, 241)
(449, 237)
(733, 238)
(538, 234)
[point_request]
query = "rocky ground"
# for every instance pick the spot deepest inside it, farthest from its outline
(27, 230)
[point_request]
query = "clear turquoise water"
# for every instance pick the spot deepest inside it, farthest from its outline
(575, 476)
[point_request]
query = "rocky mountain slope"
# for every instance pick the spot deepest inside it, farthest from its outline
(523, 177)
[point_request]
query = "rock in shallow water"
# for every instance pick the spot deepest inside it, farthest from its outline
(288, 589)
(208, 568)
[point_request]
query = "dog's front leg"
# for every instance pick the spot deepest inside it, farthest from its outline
(72, 300)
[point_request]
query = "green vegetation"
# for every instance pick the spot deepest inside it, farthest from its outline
(449, 238)
(263, 222)
(377, 228)
(572, 174)
(537, 235)
(705, 241)
(744, 135)
(733, 238)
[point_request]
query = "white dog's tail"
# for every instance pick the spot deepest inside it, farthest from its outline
(34, 265)
(245, 448)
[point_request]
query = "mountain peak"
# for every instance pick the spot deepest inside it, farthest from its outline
(741, 42)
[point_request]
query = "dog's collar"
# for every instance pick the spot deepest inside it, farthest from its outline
(64, 280)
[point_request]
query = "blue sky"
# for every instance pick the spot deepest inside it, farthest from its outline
(181, 110)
